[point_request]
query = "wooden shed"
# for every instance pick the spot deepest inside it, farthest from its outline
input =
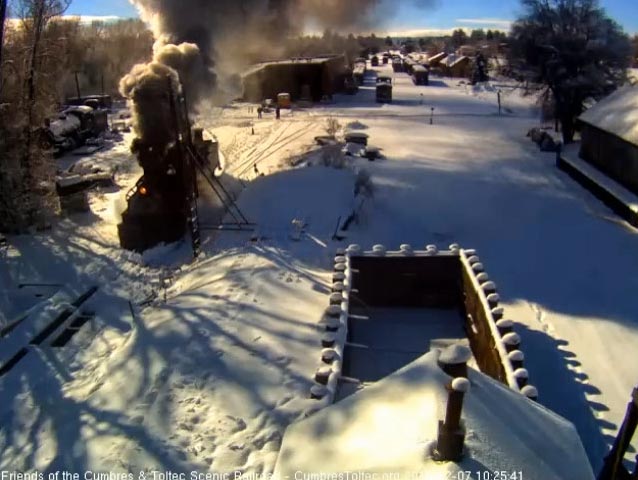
(456, 66)
(610, 136)
(435, 60)
(318, 76)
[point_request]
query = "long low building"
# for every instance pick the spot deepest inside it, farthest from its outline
(307, 78)
(610, 136)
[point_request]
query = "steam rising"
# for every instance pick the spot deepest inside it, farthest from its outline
(207, 43)
(149, 87)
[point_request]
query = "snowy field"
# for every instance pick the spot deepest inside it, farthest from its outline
(201, 366)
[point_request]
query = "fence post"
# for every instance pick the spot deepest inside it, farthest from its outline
(613, 460)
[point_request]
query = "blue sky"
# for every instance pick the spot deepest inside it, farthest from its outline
(448, 14)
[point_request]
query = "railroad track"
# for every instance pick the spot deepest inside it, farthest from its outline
(255, 152)
(16, 350)
(274, 146)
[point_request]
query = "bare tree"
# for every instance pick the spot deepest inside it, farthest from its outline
(572, 48)
(27, 171)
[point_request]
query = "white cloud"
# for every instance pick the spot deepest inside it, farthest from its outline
(86, 19)
(93, 18)
(423, 32)
(500, 23)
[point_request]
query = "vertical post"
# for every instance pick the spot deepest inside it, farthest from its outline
(451, 435)
(499, 101)
(432, 116)
(613, 460)
(77, 85)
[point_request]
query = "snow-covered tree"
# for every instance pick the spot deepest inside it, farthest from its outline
(574, 49)
(28, 83)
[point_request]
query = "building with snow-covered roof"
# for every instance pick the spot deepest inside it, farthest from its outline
(435, 60)
(393, 427)
(456, 66)
(610, 136)
(307, 78)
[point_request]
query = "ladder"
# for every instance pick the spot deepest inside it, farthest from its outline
(193, 226)
(241, 222)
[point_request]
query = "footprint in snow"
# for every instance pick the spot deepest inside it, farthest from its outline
(137, 420)
(284, 401)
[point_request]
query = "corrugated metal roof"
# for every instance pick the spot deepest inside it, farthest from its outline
(616, 114)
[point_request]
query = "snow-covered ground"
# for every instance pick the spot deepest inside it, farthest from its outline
(208, 379)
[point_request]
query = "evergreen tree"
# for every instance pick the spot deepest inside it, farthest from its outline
(459, 37)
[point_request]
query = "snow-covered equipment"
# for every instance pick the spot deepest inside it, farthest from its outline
(384, 92)
(352, 149)
(420, 75)
(371, 153)
(353, 136)
(358, 72)
(73, 127)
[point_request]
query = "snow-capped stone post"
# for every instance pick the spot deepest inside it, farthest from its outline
(516, 358)
(328, 340)
(336, 297)
(492, 298)
(317, 392)
(482, 277)
(322, 375)
(431, 250)
(451, 435)
(329, 355)
(338, 277)
(530, 392)
(497, 313)
(522, 376)
(379, 250)
(488, 287)
(453, 360)
(504, 326)
(353, 249)
(477, 267)
(406, 249)
(512, 341)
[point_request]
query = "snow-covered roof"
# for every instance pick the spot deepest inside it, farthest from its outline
(390, 426)
(436, 57)
(616, 114)
(453, 59)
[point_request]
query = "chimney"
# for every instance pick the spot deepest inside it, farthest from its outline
(451, 435)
